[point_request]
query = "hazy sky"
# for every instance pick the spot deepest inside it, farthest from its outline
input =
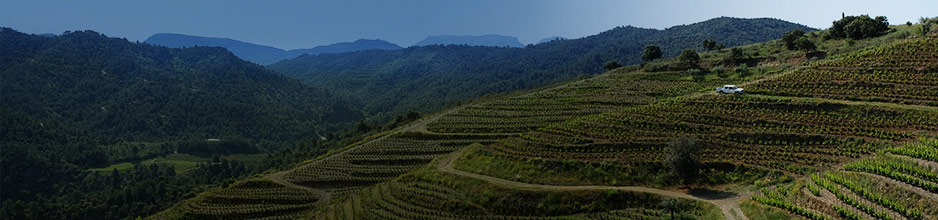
(304, 24)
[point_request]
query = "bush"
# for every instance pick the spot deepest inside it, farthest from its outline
(689, 58)
(859, 27)
(742, 70)
(611, 65)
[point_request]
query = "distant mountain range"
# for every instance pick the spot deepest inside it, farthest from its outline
(261, 54)
(549, 39)
(482, 40)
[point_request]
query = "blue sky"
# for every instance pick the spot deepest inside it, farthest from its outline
(305, 24)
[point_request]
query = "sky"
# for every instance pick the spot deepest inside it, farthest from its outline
(306, 24)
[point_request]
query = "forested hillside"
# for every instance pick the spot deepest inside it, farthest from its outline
(428, 78)
(83, 100)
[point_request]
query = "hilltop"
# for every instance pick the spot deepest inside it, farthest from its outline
(428, 78)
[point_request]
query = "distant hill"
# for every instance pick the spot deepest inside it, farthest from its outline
(261, 54)
(73, 102)
(427, 78)
(358, 45)
(549, 39)
(482, 40)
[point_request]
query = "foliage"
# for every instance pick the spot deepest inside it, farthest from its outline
(684, 158)
(735, 57)
(709, 45)
(789, 38)
(689, 58)
(652, 52)
(859, 27)
(804, 44)
(611, 65)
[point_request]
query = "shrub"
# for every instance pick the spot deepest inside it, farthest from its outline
(859, 27)
(611, 65)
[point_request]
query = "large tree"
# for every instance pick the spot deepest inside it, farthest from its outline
(652, 52)
(789, 38)
(859, 27)
(689, 58)
(684, 158)
(709, 45)
(804, 44)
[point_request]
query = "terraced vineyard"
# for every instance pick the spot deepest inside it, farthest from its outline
(255, 198)
(891, 185)
(603, 93)
(431, 194)
(905, 73)
(577, 142)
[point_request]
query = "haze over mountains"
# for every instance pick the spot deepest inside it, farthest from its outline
(261, 54)
(492, 40)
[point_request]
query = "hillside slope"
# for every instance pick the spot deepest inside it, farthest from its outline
(546, 153)
(83, 100)
(428, 78)
(259, 54)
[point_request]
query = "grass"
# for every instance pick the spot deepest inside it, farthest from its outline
(754, 210)
(181, 162)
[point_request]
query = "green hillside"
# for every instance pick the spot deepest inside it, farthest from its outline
(154, 116)
(426, 79)
(810, 139)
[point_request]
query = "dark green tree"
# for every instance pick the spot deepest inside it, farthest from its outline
(859, 27)
(804, 44)
(684, 158)
(652, 52)
(720, 47)
(789, 38)
(689, 58)
(709, 45)
(611, 65)
(736, 55)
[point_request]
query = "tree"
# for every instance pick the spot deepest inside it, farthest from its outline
(789, 38)
(684, 158)
(735, 56)
(804, 44)
(689, 58)
(859, 27)
(611, 65)
(720, 47)
(652, 52)
(709, 45)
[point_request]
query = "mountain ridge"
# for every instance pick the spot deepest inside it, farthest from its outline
(262, 54)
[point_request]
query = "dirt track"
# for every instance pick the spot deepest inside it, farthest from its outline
(727, 201)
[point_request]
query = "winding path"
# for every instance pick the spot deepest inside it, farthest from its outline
(727, 201)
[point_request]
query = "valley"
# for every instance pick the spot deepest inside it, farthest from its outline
(677, 117)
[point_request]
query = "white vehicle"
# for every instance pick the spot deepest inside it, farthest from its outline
(730, 89)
